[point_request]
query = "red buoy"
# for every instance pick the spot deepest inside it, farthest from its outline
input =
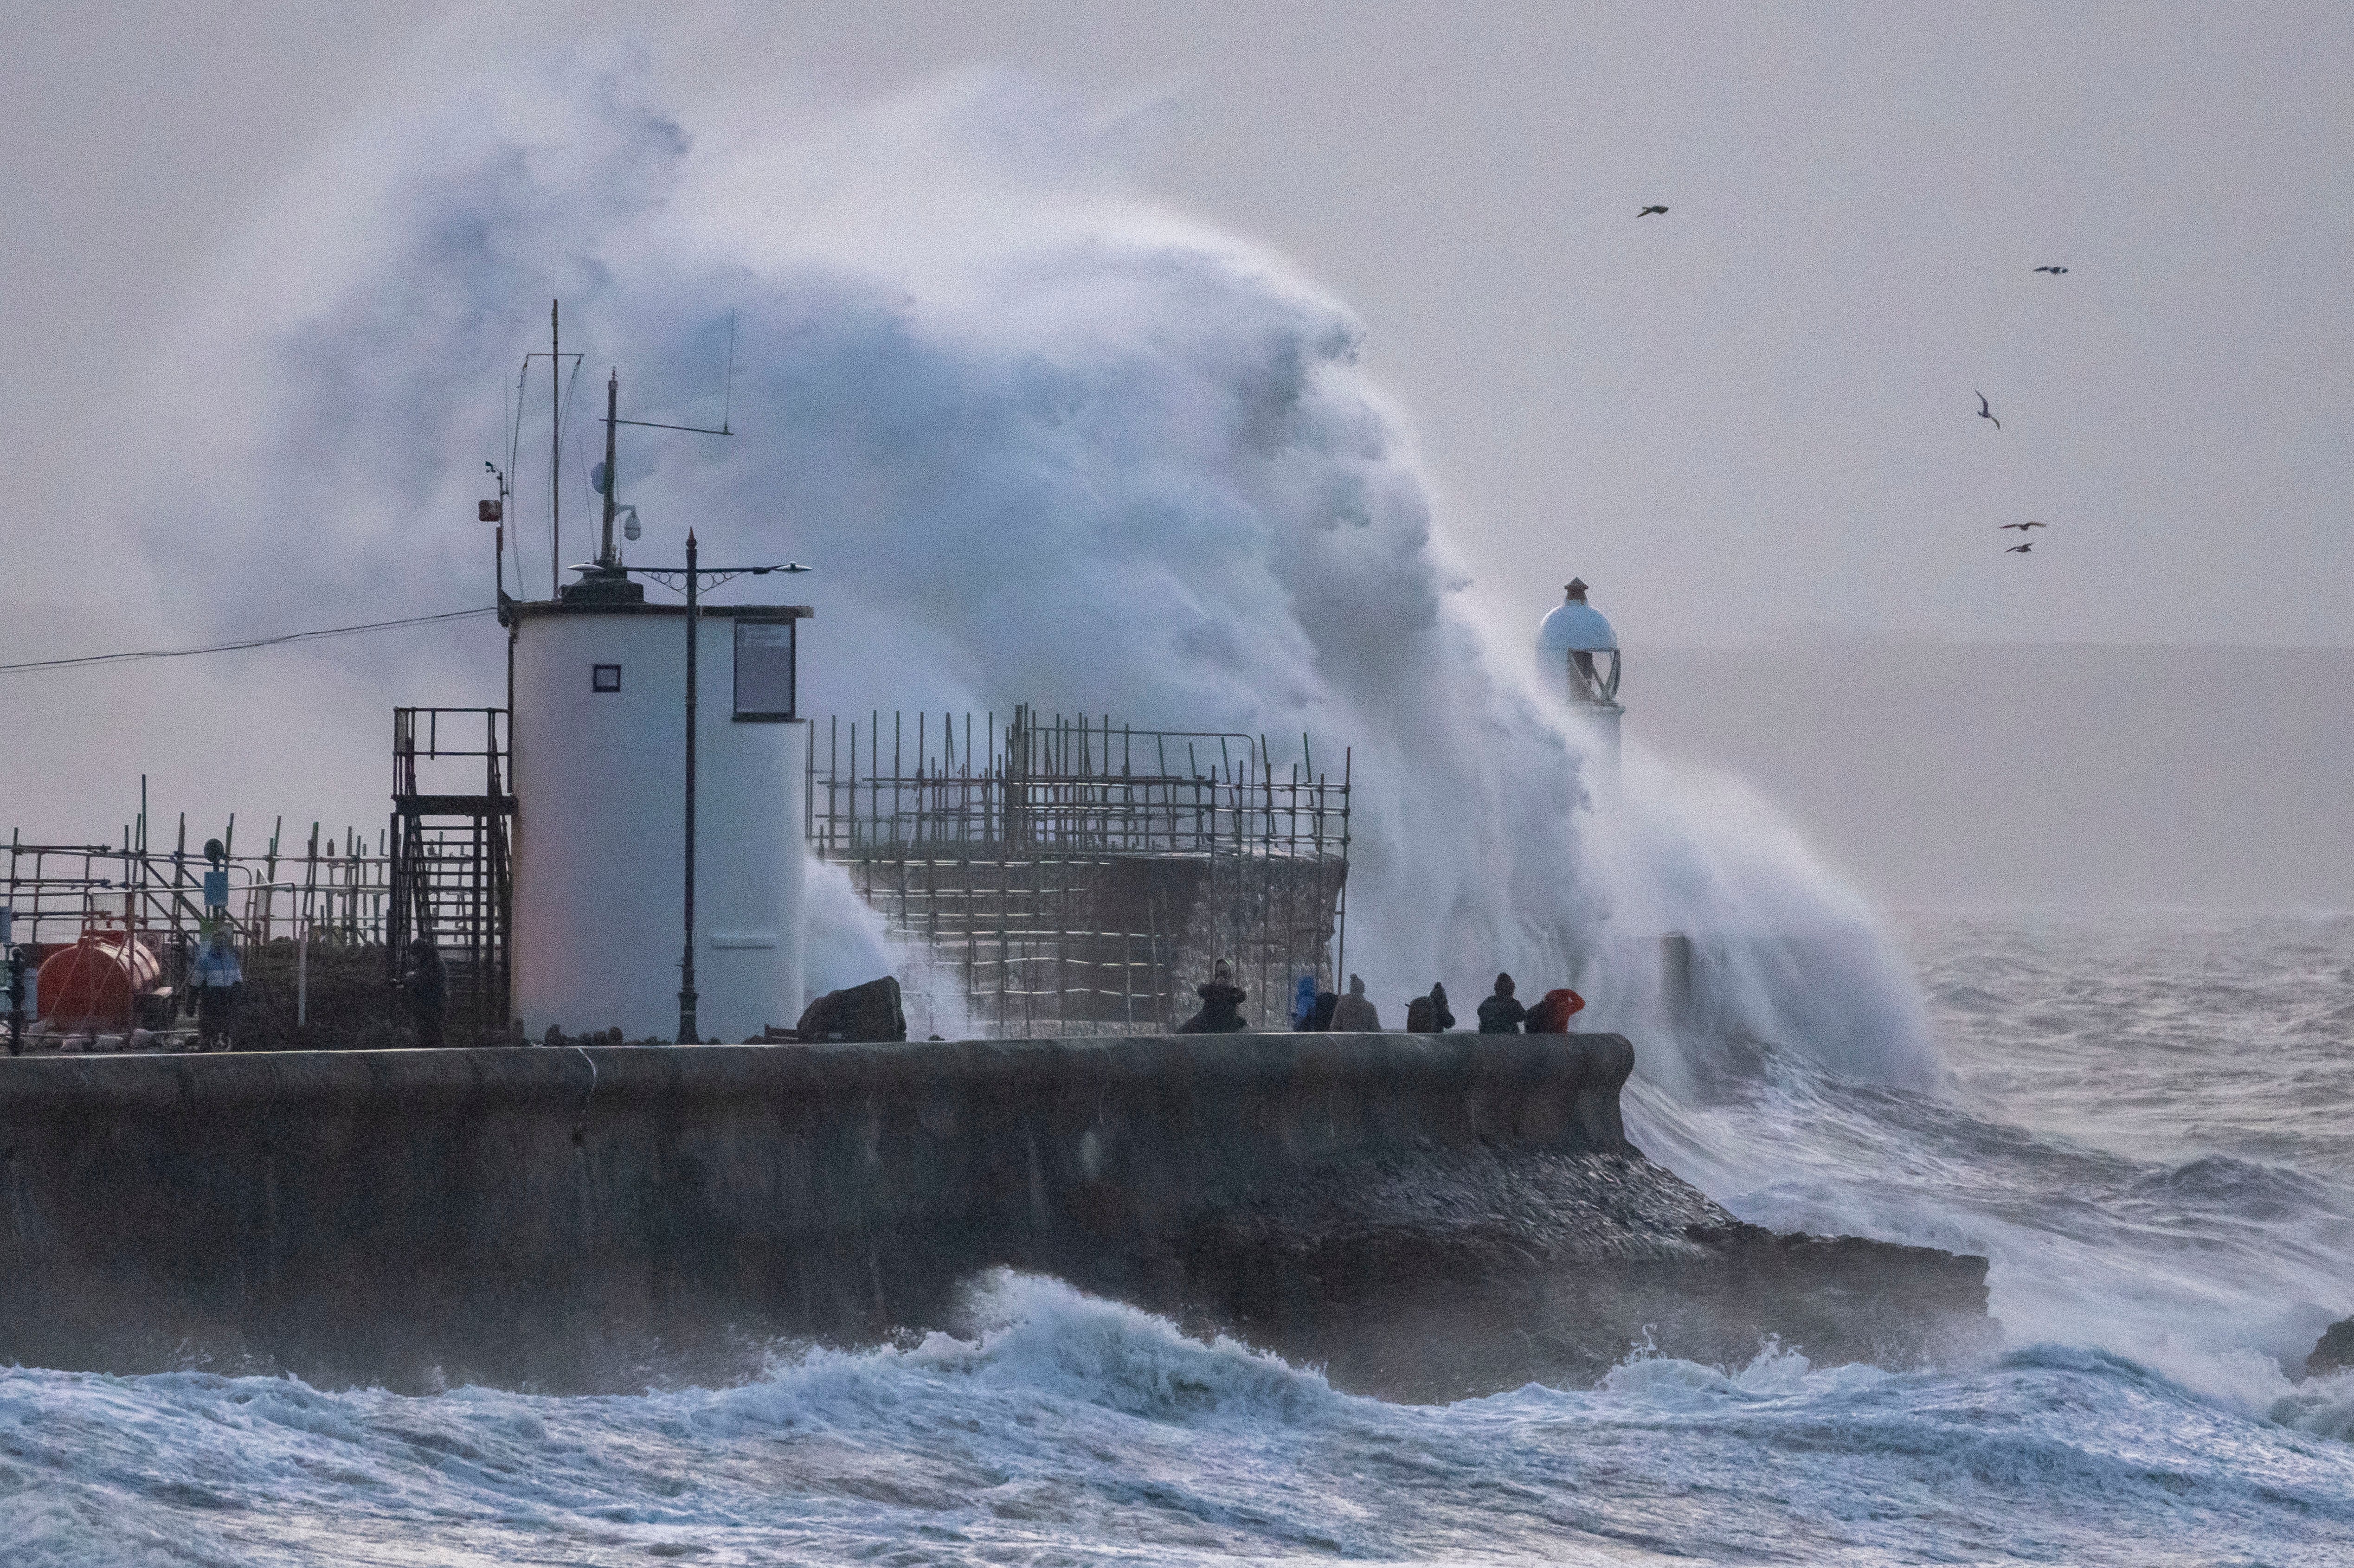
(98, 982)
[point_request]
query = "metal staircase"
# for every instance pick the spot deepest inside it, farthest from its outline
(451, 874)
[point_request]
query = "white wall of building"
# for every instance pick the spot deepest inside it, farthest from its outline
(600, 789)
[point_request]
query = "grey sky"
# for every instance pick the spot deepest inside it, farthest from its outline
(1750, 418)
(1754, 413)
(1942, 775)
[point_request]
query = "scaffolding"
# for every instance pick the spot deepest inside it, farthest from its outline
(1081, 876)
(439, 868)
(335, 887)
(331, 892)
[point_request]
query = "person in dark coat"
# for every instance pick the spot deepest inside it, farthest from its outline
(427, 988)
(1222, 1005)
(1327, 1002)
(1501, 1013)
(1429, 1014)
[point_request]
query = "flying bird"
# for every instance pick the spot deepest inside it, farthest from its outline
(1650, 210)
(2022, 527)
(2055, 272)
(1986, 413)
(2021, 549)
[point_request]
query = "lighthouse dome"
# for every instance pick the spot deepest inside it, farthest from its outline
(1575, 627)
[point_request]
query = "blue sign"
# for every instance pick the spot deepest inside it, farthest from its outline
(217, 890)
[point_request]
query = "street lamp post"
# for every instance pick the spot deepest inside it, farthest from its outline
(609, 564)
(686, 999)
(691, 579)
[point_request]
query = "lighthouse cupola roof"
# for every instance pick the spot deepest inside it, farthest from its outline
(1575, 627)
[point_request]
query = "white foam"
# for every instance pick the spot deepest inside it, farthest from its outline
(1058, 1424)
(1045, 442)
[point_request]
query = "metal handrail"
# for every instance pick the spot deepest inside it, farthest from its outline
(407, 749)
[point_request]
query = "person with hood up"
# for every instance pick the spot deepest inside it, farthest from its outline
(1303, 1004)
(1222, 1004)
(1429, 1014)
(1354, 1013)
(1501, 1013)
(1552, 1016)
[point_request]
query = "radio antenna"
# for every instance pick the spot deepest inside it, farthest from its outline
(727, 397)
(514, 450)
(559, 393)
(554, 448)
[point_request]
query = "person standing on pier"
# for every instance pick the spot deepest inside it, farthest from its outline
(16, 973)
(1552, 1016)
(1355, 1013)
(1501, 1013)
(217, 979)
(1222, 1005)
(427, 988)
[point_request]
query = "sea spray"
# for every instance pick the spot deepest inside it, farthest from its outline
(2145, 1136)
(848, 942)
(1043, 442)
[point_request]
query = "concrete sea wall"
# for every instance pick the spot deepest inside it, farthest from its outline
(574, 1219)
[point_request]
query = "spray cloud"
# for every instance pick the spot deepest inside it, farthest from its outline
(1045, 443)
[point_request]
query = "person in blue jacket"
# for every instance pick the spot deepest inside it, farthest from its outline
(218, 980)
(1304, 1003)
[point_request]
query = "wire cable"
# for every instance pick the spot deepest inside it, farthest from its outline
(233, 647)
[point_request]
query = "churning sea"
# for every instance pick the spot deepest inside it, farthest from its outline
(2146, 1129)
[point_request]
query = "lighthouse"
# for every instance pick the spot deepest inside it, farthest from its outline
(1579, 653)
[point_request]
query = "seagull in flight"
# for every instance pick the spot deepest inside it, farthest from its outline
(1650, 210)
(2021, 549)
(2022, 527)
(1986, 413)
(2055, 272)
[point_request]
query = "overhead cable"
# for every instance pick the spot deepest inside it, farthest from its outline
(233, 647)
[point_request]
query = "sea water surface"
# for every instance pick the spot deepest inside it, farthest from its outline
(2147, 1131)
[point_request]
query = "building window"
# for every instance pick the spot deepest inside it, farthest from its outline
(764, 670)
(604, 677)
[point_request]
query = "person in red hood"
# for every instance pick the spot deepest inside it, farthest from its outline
(1552, 1016)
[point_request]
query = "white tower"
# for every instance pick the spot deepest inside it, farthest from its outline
(659, 854)
(1579, 655)
(599, 724)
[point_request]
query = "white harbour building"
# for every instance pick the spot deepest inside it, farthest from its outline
(599, 729)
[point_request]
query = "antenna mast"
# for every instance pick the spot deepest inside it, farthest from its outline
(555, 451)
(605, 556)
(727, 393)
